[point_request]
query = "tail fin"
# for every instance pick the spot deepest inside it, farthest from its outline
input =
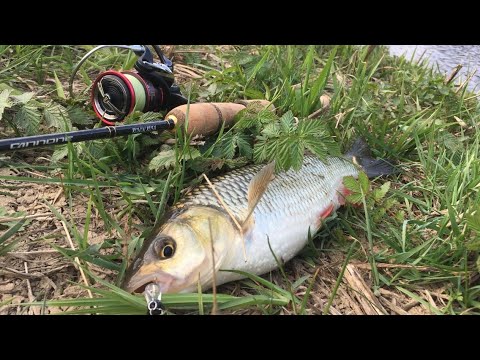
(360, 154)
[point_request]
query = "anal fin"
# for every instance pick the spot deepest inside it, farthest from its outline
(326, 212)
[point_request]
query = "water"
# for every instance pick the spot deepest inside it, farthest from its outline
(446, 57)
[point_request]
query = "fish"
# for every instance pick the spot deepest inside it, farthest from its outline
(265, 218)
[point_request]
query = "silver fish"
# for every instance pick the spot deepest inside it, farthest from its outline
(279, 209)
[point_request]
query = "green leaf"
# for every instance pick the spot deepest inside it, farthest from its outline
(253, 94)
(13, 230)
(271, 130)
(364, 183)
(150, 116)
(4, 86)
(355, 198)
(244, 147)
(316, 139)
(311, 128)
(58, 85)
(351, 184)
(164, 159)
(473, 245)
(134, 246)
(285, 142)
(57, 116)
(4, 248)
(321, 81)
(258, 66)
(260, 151)
(379, 193)
(167, 159)
(23, 98)
(451, 142)
(230, 142)
(4, 103)
(267, 284)
(59, 180)
(19, 215)
(59, 153)
(253, 300)
(138, 189)
(287, 122)
(473, 221)
(78, 116)
(253, 116)
(149, 140)
(227, 146)
(28, 119)
(359, 188)
(266, 115)
(296, 152)
(452, 214)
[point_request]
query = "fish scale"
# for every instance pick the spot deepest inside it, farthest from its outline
(292, 204)
(313, 183)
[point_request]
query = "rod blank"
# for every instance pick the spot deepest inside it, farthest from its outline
(29, 142)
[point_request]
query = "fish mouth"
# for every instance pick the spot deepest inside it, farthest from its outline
(138, 282)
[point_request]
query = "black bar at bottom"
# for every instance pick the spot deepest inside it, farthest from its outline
(29, 142)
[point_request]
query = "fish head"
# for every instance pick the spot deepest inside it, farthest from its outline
(179, 256)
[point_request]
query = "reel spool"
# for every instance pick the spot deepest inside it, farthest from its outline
(116, 94)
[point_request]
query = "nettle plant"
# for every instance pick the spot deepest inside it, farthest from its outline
(24, 114)
(258, 136)
(373, 198)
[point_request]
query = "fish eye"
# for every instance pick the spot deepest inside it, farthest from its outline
(164, 247)
(167, 251)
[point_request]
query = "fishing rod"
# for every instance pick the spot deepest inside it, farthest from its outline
(149, 88)
(199, 119)
(29, 142)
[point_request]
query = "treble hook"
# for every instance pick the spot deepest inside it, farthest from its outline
(153, 296)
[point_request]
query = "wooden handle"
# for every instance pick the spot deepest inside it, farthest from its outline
(207, 118)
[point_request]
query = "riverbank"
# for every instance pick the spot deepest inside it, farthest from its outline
(445, 58)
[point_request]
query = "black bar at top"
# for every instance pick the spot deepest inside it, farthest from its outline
(29, 142)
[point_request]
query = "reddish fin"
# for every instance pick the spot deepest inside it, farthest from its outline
(326, 213)
(343, 192)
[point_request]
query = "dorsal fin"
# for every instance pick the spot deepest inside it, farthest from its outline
(256, 189)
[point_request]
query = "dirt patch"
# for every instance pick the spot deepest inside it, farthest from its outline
(33, 270)
(353, 296)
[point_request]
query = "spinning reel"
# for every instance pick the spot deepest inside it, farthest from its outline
(151, 87)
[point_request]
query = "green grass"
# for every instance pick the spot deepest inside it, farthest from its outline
(428, 217)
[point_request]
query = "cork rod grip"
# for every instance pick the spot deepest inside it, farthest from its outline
(207, 118)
